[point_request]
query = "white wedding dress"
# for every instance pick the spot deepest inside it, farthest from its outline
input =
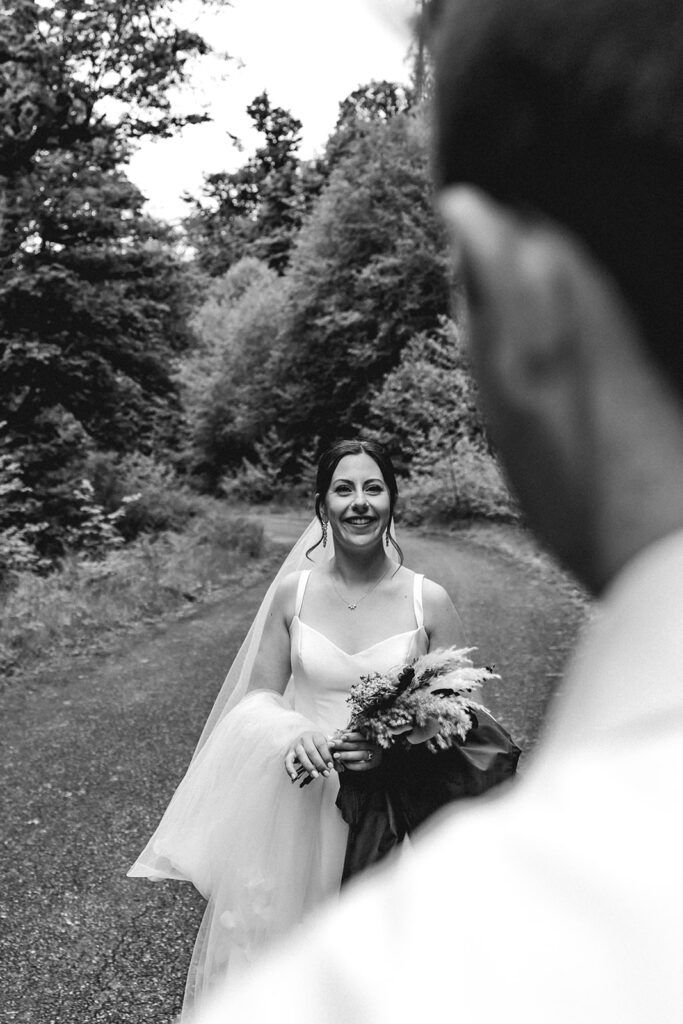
(261, 850)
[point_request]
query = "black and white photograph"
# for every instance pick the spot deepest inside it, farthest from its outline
(341, 511)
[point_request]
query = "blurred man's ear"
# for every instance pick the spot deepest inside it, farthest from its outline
(521, 292)
(525, 281)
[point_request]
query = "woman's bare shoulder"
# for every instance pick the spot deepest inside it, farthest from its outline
(434, 595)
(284, 598)
(441, 618)
(432, 592)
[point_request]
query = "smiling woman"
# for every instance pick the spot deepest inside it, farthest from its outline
(262, 851)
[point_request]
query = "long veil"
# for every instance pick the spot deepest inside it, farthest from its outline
(152, 862)
(239, 675)
(235, 827)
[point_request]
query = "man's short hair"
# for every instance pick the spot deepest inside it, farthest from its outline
(574, 109)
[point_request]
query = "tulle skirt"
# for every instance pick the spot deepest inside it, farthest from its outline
(262, 851)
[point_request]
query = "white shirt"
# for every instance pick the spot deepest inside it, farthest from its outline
(557, 901)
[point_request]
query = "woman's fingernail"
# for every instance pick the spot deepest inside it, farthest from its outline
(314, 774)
(326, 773)
(330, 764)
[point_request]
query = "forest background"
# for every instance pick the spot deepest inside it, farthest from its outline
(155, 381)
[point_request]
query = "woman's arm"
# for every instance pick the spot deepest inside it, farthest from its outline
(272, 665)
(272, 669)
(442, 622)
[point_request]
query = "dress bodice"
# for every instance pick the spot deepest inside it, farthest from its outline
(322, 672)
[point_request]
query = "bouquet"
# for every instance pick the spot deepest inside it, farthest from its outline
(439, 745)
(428, 700)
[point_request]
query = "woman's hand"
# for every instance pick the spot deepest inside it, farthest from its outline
(313, 752)
(354, 752)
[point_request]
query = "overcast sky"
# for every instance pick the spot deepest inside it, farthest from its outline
(308, 54)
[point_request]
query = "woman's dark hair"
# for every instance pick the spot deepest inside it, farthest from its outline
(330, 459)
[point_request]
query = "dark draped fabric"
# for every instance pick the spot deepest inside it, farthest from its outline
(383, 806)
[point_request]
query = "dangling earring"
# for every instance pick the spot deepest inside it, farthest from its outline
(387, 538)
(324, 526)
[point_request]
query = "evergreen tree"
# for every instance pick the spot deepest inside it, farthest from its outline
(257, 210)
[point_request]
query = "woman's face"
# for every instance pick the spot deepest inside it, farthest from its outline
(357, 502)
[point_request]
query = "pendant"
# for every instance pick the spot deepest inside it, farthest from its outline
(352, 607)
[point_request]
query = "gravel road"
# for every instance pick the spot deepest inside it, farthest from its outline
(93, 750)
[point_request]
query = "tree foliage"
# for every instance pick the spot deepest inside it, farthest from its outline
(361, 111)
(426, 412)
(76, 70)
(367, 273)
(315, 307)
(429, 402)
(258, 209)
(93, 305)
(303, 353)
(227, 382)
(353, 337)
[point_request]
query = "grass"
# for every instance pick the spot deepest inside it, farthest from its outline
(85, 601)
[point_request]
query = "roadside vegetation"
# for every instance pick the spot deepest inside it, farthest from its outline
(88, 599)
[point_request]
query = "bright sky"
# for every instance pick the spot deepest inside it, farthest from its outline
(308, 54)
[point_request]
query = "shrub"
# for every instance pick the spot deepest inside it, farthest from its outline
(152, 497)
(18, 553)
(96, 532)
(86, 599)
(218, 529)
(252, 483)
(50, 465)
(18, 535)
(275, 474)
(428, 402)
(464, 484)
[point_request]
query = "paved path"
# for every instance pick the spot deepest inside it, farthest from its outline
(92, 752)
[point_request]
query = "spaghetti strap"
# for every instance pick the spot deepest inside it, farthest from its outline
(418, 580)
(304, 576)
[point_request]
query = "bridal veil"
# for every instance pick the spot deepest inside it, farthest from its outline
(236, 827)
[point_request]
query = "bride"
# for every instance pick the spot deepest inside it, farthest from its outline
(262, 849)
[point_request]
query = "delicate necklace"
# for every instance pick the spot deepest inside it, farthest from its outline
(352, 607)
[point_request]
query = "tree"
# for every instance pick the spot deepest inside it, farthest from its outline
(227, 380)
(429, 402)
(257, 210)
(362, 111)
(304, 353)
(426, 412)
(367, 273)
(92, 298)
(376, 101)
(61, 60)
(422, 71)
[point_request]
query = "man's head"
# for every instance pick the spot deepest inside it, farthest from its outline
(564, 123)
